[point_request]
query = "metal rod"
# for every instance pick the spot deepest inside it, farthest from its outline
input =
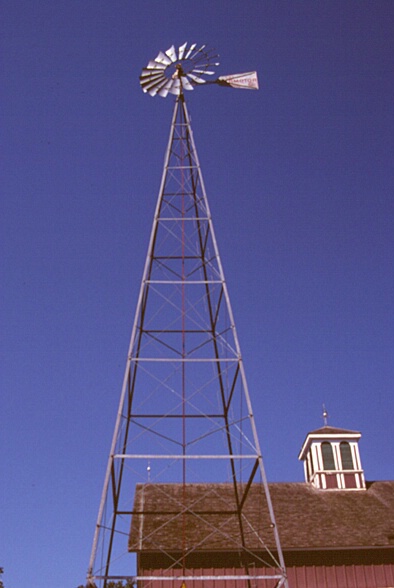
(179, 456)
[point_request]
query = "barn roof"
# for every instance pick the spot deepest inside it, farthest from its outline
(307, 518)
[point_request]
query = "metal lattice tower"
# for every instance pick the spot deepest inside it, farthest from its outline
(185, 415)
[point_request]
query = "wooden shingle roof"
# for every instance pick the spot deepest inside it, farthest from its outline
(307, 518)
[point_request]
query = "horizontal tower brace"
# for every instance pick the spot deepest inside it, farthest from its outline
(176, 416)
(191, 282)
(166, 257)
(183, 218)
(182, 167)
(186, 360)
(162, 331)
(178, 456)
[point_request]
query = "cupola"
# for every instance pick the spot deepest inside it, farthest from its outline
(332, 460)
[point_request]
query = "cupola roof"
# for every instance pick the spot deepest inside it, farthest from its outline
(327, 430)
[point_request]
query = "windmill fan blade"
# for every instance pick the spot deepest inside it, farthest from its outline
(157, 80)
(208, 64)
(153, 87)
(147, 77)
(161, 58)
(165, 89)
(171, 53)
(204, 71)
(191, 48)
(195, 54)
(186, 84)
(149, 83)
(151, 73)
(196, 79)
(155, 65)
(175, 86)
(157, 87)
(181, 50)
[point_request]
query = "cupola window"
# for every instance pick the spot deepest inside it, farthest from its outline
(328, 456)
(346, 456)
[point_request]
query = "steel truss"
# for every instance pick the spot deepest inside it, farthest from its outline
(185, 416)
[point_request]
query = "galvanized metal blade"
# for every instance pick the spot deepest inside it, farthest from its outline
(151, 74)
(181, 51)
(161, 58)
(149, 84)
(204, 71)
(164, 91)
(186, 84)
(175, 87)
(155, 90)
(196, 79)
(171, 53)
(155, 65)
(208, 64)
(191, 49)
(194, 55)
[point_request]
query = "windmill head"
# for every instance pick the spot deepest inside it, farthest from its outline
(177, 70)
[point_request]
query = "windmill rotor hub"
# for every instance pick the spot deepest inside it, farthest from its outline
(178, 73)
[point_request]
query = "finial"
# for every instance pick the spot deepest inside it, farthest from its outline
(325, 416)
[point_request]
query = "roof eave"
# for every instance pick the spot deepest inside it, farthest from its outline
(315, 436)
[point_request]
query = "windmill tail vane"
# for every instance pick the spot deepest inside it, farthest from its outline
(174, 70)
(244, 81)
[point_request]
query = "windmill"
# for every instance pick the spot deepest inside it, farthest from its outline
(185, 473)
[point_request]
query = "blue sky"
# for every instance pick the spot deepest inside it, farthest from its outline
(300, 182)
